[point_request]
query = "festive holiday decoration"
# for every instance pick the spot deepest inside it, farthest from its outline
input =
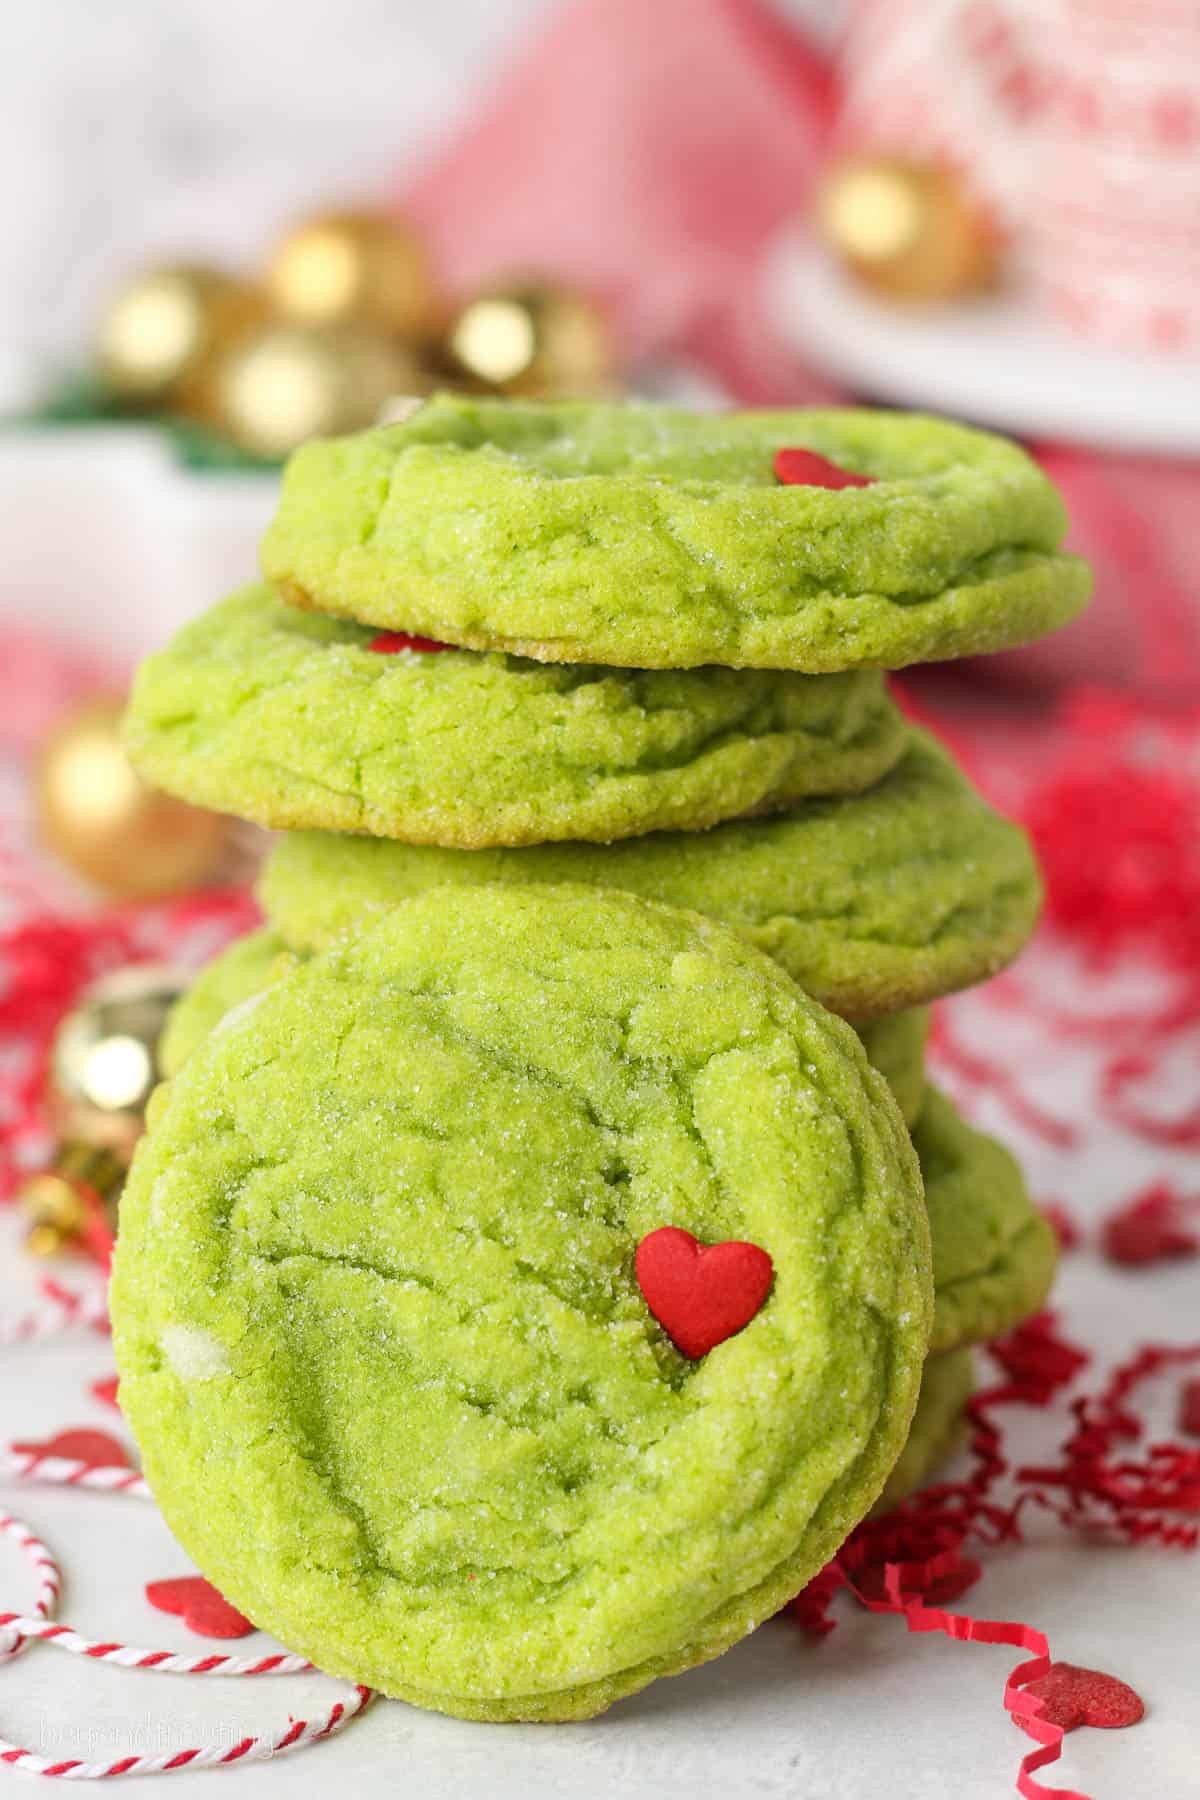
(286, 383)
(96, 812)
(390, 643)
(104, 1063)
(1071, 1697)
(534, 340)
(354, 268)
(161, 332)
(105, 1391)
(103, 1066)
(72, 1205)
(1157, 1225)
(804, 468)
(909, 231)
(701, 1294)
(93, 1449)
(202, 1609)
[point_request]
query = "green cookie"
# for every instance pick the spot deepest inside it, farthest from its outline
(653, 538)
(873, 903)
(938, 1427)
(293, 721)
(994, 1254)
(380, 1337)
(895, 1044)
(245, 968)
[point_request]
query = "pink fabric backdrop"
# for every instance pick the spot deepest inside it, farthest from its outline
(649, 152)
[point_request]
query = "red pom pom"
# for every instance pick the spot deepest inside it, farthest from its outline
(202, 1609)
(1072, 1696)
(804, 468)
(701, 1294)
(388, 643)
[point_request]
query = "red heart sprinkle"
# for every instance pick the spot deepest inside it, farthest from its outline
(804, 468)
(1152, 1228)
(105, 1391)
(202, 1609)
(1071, 1697)
(1189, 1408)
(701, 1294)
(389, 642)
(81, 1444)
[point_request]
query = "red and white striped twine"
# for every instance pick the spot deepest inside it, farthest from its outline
(64, 1471)
(60, 1311)
(256, 1748)
(164, 1662)
(49, 1579)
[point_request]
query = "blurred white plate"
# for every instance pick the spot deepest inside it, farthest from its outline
(107, 539)
(994, 361)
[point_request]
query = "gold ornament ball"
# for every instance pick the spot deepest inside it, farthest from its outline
(58, 1202)
(165, 325)
(354, 268)
(909, 231)
(104, 1062)
(94, 811)
(533, 340)
(292, 382)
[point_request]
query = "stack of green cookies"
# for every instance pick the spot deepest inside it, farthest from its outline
(421, 1127)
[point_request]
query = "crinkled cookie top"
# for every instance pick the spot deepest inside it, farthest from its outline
(654, 538)
(294, 720)
(380, 1336)
(872, 902)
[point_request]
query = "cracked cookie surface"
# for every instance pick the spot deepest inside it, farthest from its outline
(292, 720)
(380, 1337)
(649, 537)
(895, 1043)
(873, 902)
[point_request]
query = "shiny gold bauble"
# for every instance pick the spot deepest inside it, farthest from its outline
(909, 231)
(104, 1062)
(292, 382)
(165, 325)
(94, 811)
(65, 1202)
(533, 340)
(354, 268)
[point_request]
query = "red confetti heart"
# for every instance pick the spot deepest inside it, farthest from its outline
(388, 643)
(105, 1391)
(1150, 1229)
(1189, 1408)
(1072, 1696)
(202, 1609)
(95, 1448)
(701, 1294)
(804, 468)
